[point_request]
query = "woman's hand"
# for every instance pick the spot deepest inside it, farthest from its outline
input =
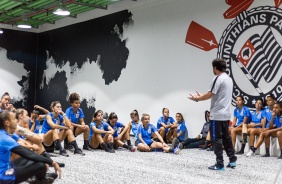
(57, 169)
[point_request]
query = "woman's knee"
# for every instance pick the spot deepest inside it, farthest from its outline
(110, 138)
(279, 134)
(143, 148)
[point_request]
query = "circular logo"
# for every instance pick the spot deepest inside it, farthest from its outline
(252, 49)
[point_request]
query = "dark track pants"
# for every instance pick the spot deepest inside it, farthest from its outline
(220, 136)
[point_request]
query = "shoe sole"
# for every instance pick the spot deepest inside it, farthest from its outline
(216, 169)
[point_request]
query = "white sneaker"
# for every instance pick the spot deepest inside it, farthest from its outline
(250, 153)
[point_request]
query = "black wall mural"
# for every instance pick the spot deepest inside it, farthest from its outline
(99, 41)
(22, 47)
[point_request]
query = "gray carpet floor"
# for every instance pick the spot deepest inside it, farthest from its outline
(190, 166)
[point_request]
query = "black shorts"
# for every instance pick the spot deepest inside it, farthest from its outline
(49, 148)
(99, 146)
(74, 129)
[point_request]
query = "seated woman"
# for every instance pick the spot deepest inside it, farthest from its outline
(101, 133)
(5, 102)
(279, 134)
(241, 116)
(123, 135)
(56, 127)
(133, 125)
(254, 127)
(165, 125)
(36, 118)
(200, 139)
(179, 132)
(28, 165)
(145, 132)
(76, 116)
(271, 129)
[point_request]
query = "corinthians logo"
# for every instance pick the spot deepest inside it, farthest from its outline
(251, 46)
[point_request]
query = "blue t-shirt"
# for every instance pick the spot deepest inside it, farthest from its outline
(256, 117)
(116, 127)
(7, 144)
(146, 133)
(240, 114)
(103, 126)
(74, 116)
(168, 121)
(135, 129)
(37, 126)
(46, 127)
(277, 122)
(181, 127)
(267, 114)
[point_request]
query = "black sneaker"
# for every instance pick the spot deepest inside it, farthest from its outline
(215, 167)
(280, 157)
(239, 152)
(52, 175)
(64, 153)
(111, 147)
(69, 147)
(174, 143)
(206, 146)
(132, 149)
(47, 180)
(266, 155)
(78, 151)
(210, 149)
(86, 147)
(231, 165)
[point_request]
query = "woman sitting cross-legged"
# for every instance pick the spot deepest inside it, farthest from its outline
(146, 144)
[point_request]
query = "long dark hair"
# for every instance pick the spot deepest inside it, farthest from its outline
(112, 116)
(182, 119)
(96, 114)
(206, 115)
(135, 113)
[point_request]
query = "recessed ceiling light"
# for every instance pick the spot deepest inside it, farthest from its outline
(25, 26)
(62, 11)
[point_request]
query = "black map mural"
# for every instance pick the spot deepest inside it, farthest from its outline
(98, 41)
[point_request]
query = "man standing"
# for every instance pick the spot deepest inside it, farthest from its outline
(221, 96)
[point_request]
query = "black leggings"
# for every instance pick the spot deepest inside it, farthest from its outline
(25, 169)
(193, 143)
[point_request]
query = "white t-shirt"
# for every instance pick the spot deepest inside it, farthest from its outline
(222, 88)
